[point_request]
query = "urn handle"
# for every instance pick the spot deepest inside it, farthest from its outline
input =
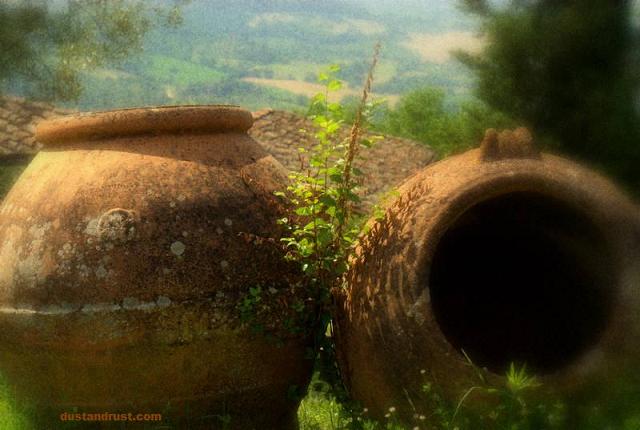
(508, 144)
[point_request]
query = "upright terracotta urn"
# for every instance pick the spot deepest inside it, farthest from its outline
(507, 255)
(128, 247)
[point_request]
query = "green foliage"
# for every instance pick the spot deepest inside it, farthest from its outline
(322, 226)
(323, 230)
(178, 72)
(517, 401)
(515, 405)
(249, 303)
(423, 116)
(568, 70)
(45, 47)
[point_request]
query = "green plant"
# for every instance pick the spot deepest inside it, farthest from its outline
(515, 404)
(248, 305)
(423, 115)
(323, 228)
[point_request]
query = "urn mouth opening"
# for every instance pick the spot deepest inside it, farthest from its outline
(144, 121)
(523, 278)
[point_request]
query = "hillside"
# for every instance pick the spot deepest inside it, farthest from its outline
(259, 53)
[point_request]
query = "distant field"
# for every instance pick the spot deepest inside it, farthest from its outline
(295, 70)
(112, 74)
(309, 89)
(175, 71)
(308, 72)
(258, 56)
(363, 26)
(335, 26)
(385, 72)
(436, 48)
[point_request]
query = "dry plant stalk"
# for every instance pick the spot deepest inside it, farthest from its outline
(345, 204)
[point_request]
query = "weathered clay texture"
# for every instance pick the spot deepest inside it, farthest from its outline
(395, 332)
(127, 245)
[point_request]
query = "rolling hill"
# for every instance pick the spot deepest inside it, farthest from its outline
(260, 53)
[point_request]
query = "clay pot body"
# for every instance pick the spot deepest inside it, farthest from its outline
(505, 253)
(127, 245)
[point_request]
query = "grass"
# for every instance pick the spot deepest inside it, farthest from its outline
(319, 410)
(9, 418)
(178, 72)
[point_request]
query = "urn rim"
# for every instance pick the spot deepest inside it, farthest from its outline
(152, 120)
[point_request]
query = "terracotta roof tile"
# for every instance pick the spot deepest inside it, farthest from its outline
(386, 165)
(18, 118)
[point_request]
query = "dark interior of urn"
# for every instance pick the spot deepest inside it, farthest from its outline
(522, 278)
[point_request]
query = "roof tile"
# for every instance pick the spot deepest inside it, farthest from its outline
(386, 164)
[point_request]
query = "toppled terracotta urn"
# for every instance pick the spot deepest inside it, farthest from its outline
(505, 254)
(128, 246)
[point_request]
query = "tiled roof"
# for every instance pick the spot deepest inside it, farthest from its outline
(18, 118)
(385, 165)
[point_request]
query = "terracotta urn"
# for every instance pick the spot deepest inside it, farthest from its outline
(129, 250)
(507, 255)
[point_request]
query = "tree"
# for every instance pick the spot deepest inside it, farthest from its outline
(45, 46)
(423, 116)
(565, 68)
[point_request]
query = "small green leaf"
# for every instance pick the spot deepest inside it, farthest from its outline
(328, 201)
(337, 178)
(302, 211)
(334, 85)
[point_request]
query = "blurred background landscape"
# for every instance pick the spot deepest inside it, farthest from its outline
(268, 54)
